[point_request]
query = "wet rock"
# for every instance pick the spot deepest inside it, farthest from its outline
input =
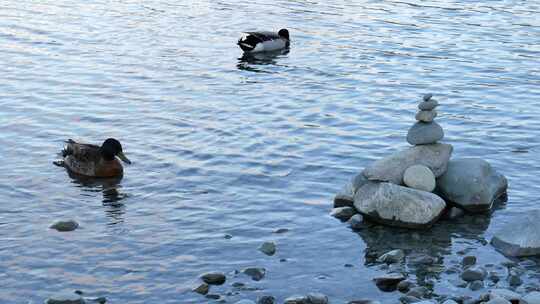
(472, 184)
(468, 261)
(398, 206)
(296, 300)
(532, 298)
(392, 168)
(65, 298)
(427, 97)
(418, 292)
(404, 286)
(99, 300)
(474, 273)
(394, 256)
(514, 280)
(228, 236)
(524, 243)
(476, 285)
(426, 116)
(357, 222)
(505, 294)
(345, 196)
(213, 278)
(256, 273)
(408, 299)
(266, 300)
(459, 283)
(419, 177)
(343, 213)
(245, 302)
(268, 248)
(498, 301)
(201, 288)
(450, 301)
(363, 302)
(316, 298)
(428, 105)
(388, 282)
(281, 230)
(65, 226)
(214, 296)
(422, 133)
(423, 260)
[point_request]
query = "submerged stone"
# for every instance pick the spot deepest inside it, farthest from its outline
(64, 226)
(524, 243)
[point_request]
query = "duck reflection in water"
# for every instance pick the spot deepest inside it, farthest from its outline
(248, 61)
(109, 187)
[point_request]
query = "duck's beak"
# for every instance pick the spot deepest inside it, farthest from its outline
(123, 158)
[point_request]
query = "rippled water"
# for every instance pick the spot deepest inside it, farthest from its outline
(222, 144)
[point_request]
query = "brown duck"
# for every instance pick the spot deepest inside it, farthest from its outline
(92, 160)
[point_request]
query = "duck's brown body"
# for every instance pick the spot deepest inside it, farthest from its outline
(87, 160)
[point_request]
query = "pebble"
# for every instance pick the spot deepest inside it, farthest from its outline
(202, 288)
(65, 298)
(474, 273)
(426, 116)
(357, 222)
(409, 299)
(281, 230)
(394, 256)
(405, 286)
(476, 285)
(418, 292)
(514, 280)
(256, 273)
(316, 298)
(295, 300)
(388, 282)
(64, 226)
(268, 248)
(468, 261)
(419, 177)
(228, 236)
(214, 296)
(343, 213)
(428, 105)
(213, 278)
(266, 300)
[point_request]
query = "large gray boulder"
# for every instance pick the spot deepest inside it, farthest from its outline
(394, 205)
(520, 237)
(345, 196)
(392, 168)
(472, 184)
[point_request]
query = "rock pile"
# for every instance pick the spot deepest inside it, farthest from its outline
(412, 188)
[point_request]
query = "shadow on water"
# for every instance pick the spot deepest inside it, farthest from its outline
(109, 187)
(248, 61)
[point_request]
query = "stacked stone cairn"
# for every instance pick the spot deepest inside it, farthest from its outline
(415, 187)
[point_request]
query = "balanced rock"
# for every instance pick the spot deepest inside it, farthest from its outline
(419, 177)
(520, 237)
(426, 116)
(428, 105)
(392, 168)
(345, 197)
(472, 184)
(398, 206)
(422, 133)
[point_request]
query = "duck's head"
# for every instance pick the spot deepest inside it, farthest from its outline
(111, 148)
(284, 33)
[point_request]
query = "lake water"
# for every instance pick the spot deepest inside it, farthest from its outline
(222, 144)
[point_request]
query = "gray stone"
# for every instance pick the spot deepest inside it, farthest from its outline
(316, 298)
(65, 298)
(256, 273)
(245, 302)
(345, 196)
(472, 184)
(427, 97)
(394, 256)
(281, 230)
(213, 278)
(468, 261)
(295, 300)
(426, 116)
(419, 177)
(99, 300)
(266, 300)
(405, 286)
(392, 168)
(514, 280)
(363, 301)
(64, 226)
(476, 285)
(201, 288)
(450, 301)
(498, 301)
(398, 206)
(408, 299)
(422, 133)
(357, 222)
(524, 243)
(505, 294)
(343, 213)
(459, 283)
(493, 276)
(474, 273)
(428, 105)
(388, 282)
(418, 292)
(532, 298)
(268, 248)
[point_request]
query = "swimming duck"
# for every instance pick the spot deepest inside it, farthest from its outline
(92, 160)
(253, 42)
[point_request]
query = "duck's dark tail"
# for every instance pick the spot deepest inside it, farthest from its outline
(248, 43)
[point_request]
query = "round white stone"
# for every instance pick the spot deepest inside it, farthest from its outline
(419, 177)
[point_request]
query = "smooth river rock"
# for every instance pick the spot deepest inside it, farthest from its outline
(256, 273)
(419, 177)
(426, 116)
(388, 282)
(428, 105)
(422, 133)
(213, 278)
(524, 243)
(392, 168)
(345, 197)
(343, 213)
(65, 298)
(268, 248)
(474, 273)
(394, 256)
(65, 226)
(398, 206)
(472, 184)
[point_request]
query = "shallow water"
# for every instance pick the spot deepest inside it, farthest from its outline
(223, 144)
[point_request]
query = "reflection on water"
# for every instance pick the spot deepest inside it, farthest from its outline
(248, 61)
